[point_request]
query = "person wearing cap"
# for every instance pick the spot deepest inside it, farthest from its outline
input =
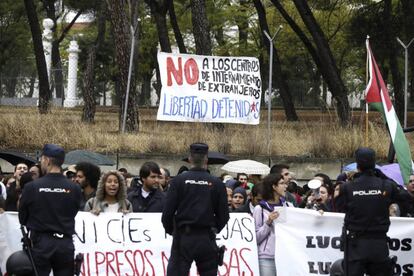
(239, 198)
(70, 173)
(48, 207)
(195, 210)
(255, 198)
(365, 201)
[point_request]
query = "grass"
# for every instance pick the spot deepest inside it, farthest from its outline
(315, 135)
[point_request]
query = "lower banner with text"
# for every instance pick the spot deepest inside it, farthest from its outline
(307, 243)
(136, 244)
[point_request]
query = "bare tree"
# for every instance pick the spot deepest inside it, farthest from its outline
(242, 24)
(329, 70)
(121, 31)
(321, 54)
(285, 94)
(44, 90)
(392, 52)
(159, 10)
(88, 90)
(407, 7)
(201, 27)
(174, 24)
(50, 7)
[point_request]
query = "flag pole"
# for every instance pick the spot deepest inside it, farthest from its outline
(366, 104)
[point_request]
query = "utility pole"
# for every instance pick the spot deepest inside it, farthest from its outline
(405, 79)
(269, 99)
(134, 31)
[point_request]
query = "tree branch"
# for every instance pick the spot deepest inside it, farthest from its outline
(67, 28)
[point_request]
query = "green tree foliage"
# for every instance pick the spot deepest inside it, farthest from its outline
(234, 30)
(16, 55)
(384, 21)
(147, 58)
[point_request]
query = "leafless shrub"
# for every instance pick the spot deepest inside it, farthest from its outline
(314, 135)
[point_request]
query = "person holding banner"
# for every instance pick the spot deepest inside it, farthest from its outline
(147, 195)
(264, 214)
(48, 207)
(410, 201)
(366, 200)
(110, 195)
(87, 176)
(194, 212)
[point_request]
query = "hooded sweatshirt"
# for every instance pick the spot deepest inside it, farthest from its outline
(265, 234)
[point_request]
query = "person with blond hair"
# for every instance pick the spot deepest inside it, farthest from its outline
(110, 195)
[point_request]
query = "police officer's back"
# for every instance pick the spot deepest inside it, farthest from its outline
(48, 207)
(196, 208)
(366, 202)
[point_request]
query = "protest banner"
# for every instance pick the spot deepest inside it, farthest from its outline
(307, 243)
(136, 244)
(209, 89)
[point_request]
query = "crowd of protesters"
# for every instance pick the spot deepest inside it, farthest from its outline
(119, 191)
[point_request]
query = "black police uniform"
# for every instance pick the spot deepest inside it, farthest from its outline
(366, 202)
(196, 203)
(48, 207)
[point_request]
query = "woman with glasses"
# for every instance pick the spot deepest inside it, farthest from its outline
(273, 191)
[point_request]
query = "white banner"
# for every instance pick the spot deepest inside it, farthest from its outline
(136, 244)
(307, 243)
(209, 89)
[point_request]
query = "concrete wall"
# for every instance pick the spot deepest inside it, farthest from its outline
(26, 101)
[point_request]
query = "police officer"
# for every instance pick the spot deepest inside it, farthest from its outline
(195, 210)
(48, 207)
(365, 201)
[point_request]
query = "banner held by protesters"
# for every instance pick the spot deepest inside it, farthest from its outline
(312, 241)
(209, 89)
(136, 244)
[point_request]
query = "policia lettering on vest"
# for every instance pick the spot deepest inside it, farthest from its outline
(48, 207)
(365, 201)
(195, 210)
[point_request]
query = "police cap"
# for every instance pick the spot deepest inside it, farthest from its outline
(19, 264)
(55, 151)
(337, 268)
(199, 148)
(365, 158)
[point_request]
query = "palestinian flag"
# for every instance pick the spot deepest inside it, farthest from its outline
(376, 95)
